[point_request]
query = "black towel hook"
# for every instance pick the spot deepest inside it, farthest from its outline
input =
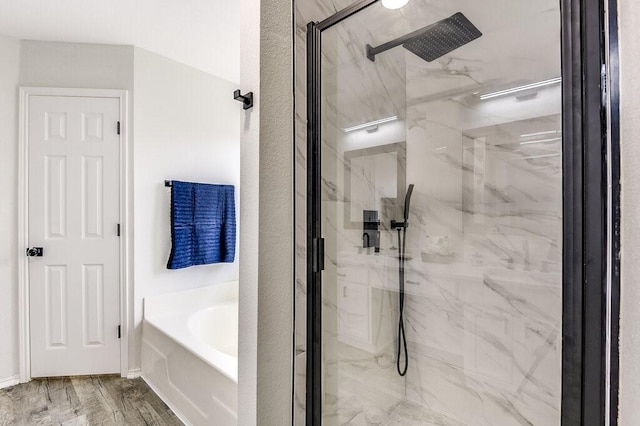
(247, 99)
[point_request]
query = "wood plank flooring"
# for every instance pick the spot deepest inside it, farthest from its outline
(85, 400)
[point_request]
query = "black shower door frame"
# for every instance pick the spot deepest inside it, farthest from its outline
(587, 282)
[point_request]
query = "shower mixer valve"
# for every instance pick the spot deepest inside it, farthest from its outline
(370, 232)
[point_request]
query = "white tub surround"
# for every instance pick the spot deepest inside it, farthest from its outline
(190, 352)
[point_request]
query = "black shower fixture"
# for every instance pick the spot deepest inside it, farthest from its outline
(246, 99)
(370, 232)
(433, 41)
(401, 227)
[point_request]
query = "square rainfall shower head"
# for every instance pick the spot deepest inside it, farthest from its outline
(442, 37)
(433, 41)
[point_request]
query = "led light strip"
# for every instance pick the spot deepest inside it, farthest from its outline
(521, 88)
(541, 141)
(370, 124)
(550, 132)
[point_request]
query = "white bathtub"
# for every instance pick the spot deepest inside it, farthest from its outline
(190, 352)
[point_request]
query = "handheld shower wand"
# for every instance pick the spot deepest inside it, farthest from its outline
(407, 203)
(401, 227)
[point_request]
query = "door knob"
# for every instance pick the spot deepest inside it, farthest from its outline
(35, 251)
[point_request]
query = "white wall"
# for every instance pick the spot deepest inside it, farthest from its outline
(96, 66)
(266, 273)
(249, 215)
(629, 20)
(9, 72)
(202, 34)
(32, 63)
(82, 65)
(186, 128)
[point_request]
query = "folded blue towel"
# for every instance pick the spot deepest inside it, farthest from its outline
(203, 224)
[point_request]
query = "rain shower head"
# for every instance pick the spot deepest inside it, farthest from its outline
(435, 40)
(442, 37)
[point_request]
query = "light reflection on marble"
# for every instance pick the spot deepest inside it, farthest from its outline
(483, 312)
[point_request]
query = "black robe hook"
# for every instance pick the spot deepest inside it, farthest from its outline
(247, 99)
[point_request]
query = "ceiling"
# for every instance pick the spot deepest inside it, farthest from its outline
(204, 34)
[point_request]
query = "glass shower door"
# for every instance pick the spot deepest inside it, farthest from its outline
(441, 213)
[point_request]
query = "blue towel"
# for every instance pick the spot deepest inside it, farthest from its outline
(203, 224)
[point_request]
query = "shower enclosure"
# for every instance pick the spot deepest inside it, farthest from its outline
(435, 214)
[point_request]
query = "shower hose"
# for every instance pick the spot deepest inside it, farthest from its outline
(402, 338)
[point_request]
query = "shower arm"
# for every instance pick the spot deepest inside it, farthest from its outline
(373, 51)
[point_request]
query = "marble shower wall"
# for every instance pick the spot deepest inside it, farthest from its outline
(484, 314)
(483, 309)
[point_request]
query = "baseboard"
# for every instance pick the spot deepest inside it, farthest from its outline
(9, 381)
(166, 401)
(134, 373)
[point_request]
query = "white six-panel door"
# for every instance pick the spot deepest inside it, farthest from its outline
(73, 215)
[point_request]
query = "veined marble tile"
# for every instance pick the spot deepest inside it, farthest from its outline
(459, 394)
(369, 387)
(483, 330)
(299, 391)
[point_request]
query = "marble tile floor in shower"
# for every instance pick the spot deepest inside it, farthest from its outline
(85, 400)
(371, 393)
(406, 413)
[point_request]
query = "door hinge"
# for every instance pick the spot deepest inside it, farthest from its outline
(318, 254)
(118, 230)
(119, 331)
(118, 127)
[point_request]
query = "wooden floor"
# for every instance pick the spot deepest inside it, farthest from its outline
(86, 400)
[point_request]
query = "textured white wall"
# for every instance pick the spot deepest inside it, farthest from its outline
(276, 289)
(9, 72)
(266, 272)
(629, 20)
(186, 128)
